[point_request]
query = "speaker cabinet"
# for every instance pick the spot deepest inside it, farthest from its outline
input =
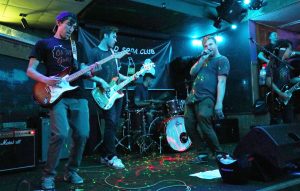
(17, 149)
(227, 130)
(278, 145)
(43, 133)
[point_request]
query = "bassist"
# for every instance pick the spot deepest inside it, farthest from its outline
(278, 75)
(109, 73)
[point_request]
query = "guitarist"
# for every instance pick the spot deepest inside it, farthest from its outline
(265, 56)
(281, 75)
(72, 111)
(109, 72)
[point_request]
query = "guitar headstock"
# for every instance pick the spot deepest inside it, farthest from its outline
(119, 55)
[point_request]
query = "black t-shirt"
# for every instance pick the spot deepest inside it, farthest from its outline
(281, 73)
(109, 69)
(205, 83)
(141, 92)
(56, 55)
(269, 47)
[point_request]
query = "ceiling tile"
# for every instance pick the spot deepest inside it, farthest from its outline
(2, 8)
(72, 6)
(3, 1)
(30, 4)
(14, 12)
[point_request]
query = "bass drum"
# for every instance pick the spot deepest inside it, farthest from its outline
(170, 133)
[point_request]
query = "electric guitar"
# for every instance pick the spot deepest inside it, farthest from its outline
(106, 98)
(277, 103)
(46, 95)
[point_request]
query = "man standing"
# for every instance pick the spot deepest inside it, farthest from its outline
(265, 56)
(109, 72)
(206, 97)
(72, 110)
(279, 75)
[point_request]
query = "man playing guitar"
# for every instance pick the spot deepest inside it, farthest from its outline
(278, 77)
(71, 111)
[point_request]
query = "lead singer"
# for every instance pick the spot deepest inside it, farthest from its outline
(206, 98)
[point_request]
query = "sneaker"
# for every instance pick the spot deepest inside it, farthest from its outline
(48, 183)
(103, 160)
(115, 162)
(202, 158)
(73, 177)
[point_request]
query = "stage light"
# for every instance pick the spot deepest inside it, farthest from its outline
(217, 23)
(247, 2)
(196, 42)
(24, 21)
(219, 38)
(257, 4)
(233, 26)
(231, 11)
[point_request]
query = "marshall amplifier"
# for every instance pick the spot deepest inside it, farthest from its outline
(17, 149)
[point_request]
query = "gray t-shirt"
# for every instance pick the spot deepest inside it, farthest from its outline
(205, 83)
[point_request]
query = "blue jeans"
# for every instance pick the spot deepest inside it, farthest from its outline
(65, 114)
(111, 119)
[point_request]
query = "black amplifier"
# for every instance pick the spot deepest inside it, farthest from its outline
(17, 149)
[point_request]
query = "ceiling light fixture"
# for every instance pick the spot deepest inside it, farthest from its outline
(24, 21)
(217, 23)
(257, 4)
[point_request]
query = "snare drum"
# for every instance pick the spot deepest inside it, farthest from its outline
(170, 132)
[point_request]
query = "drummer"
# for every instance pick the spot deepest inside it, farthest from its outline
(141, 96)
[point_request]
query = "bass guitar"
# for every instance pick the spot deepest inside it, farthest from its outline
(46, 95)
(277, 103)
(105, 98)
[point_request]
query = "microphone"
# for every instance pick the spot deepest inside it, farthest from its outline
(251, 39)
(205, 52)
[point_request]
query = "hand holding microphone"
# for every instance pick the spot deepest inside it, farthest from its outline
(205, 54)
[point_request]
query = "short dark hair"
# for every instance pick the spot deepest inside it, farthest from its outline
(282, 43)
(269, 33)
(107, 30)
(206, 38)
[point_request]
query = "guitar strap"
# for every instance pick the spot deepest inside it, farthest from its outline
(74, 51)
(116, 60)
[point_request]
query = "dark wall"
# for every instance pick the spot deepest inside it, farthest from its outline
(235, 47)
(16, 90)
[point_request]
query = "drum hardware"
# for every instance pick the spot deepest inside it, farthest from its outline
(127, 127)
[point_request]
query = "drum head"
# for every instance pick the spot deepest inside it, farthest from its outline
(176, 134)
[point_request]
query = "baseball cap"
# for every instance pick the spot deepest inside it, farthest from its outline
(62, 16)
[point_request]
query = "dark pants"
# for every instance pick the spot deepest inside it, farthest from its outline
(111, 119)
(285, 116)
(198, 124)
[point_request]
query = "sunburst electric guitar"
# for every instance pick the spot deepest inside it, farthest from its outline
(46, 95)
(106, 98)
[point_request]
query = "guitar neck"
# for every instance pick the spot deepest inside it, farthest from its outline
(89, 68)
(128, 80)
(295, 87)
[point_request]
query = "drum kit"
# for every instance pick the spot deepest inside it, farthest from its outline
(164, 130)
